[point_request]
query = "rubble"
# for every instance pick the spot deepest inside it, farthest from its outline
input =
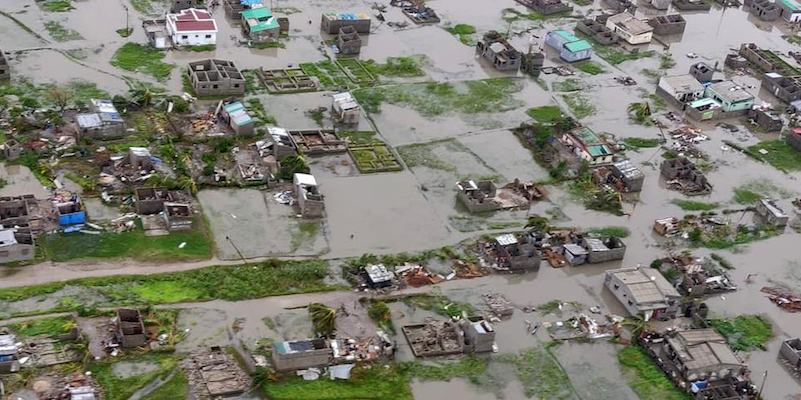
(784, 299)
(213, 373)
(498, 304)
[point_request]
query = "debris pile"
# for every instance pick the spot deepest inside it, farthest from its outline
(498, 305)
(213, 373)
(785, 300)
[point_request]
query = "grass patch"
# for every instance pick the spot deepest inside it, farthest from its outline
(792, 39)
(330, 75)
(174, 389)
(666, 61)
(589, 67)
(568, 85)
(616, 55)
(579, 105)
(307, 231)
(366, 382)
(200, 48)
(540, 374)
(268, 45)
(722, 261)
(149, 7)
(60, 33)
(614, 231)
(639, 143)
(117, 388)
(746, 196)
(780, 155)
(422, 154)
(132, 244)
(464, 32)
(691, 205)
(745, 332)
(142, 58)
(546, 114)
(405, 67)
(380, 313)
(439, 304)
(124, 32)
(473, 368)
(50, 326)
(645, 377)
(56, 5)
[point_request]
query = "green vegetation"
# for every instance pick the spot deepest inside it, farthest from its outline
(755, 190)
(640, 112)
(357, 72)
(722, 261)
(380, 313)
(666, 61)
(464, 32)
(579, 105)
(745, 332)
(645, 377)
(307, 231)
(118, 388)
(471, 367)
(546, 114)
(405, 67)
(355, 265)
(268, 45)
(200, 48)
(131, 244)
(439, 304)
(374, 156)
(142, 58)
(590, 67)
(691, 205)
(724, 237)
(331, 76)
(792, 39)
(639, 143)
(613, 231)
(434, 99)
(177, 388)
(568, 85)
(746, 196)
(124, 32)
(50, 326)
(366, 382)
(257, 110)
(60, 33)
(56, 5)
(323, 319)
(510, 15)
(149, 7)
(779, 154)
(617, 55)
(540, 374)
(593, 197)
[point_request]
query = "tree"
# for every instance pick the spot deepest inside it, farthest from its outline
(293, 164)
(323, 318)
(641, 111)
(60, 97)
(145, 96)
(538, 223)
(189, 184)
(637, 324)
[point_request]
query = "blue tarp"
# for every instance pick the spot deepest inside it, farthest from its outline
(72, 218)
(250, 2)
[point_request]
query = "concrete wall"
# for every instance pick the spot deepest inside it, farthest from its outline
(17, 252)
(545, 7)
(794, 140)
(301, 360)
(5, 69)
(686, 5)
(332, 26)
(791, 351)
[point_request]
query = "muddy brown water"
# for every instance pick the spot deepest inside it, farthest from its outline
(387, 213)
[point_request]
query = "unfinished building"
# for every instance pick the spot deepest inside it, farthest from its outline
(5, 69)
(692, 5)
(483, 196)
(672, 24)
(419, 13)
(349, 41)
(214, 374)
(178, 5)
(619, 6)
(345, 109)
(546, 7)
(682, 175)
(766, 60)
(332, 22)
(318, 142)
(785, 88)
(435, 338)
(516, 252)
(771, 213)
(16, 244)
(790, 355)
(309, 199)
(479, 335)
(701, 72)
(764, 10)
(130, 328)
(597, 31)
(156, 33)
(766, 118)
(287, 80)
(495, 49)
(623, 176)
(11, 149)
(301, 354)
(151, 200)
(178, 216)
(22, 212)
(216, 78)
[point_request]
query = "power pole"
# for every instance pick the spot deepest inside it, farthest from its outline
(237, 250)
(764, 378)
(126, 19)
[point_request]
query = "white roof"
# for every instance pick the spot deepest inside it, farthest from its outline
(7, 238)
(506, 239)
(105, 106)
(305, 179)
(276, 131)
(345, 101)
(88, 120)
(139, 151)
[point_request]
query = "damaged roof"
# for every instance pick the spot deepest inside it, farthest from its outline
(702, 349)
(647, 285)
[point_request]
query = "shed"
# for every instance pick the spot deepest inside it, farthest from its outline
(570, 48)
(345, 108)
(238, 118)
(575, 254)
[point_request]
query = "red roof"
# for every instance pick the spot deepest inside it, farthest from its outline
(194, 26)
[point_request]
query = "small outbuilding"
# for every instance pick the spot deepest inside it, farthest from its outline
(570, 48)
(331, 22)
(345, 109)
(260, 25)
(238, 119)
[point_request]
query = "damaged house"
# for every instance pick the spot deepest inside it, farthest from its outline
(332, 22)
(238, 119)
(301, 354)
(766, 118)
(345, 109)
(588, 146)
(260, 25)
(785, 88)
(699, 280)
(483, 196)
(310, 201)
(214, 374)
(570, 48)
(623, 176)
(601, 250)
(448, 337)
(702, 72)
(771, 213)
(643, 291)
(516, 252)
(546, 7)
(629, 28)
(216, 78)
(130, 328)
(102, 122)
(495, 49)
(16, 245)
(682, 175)
(23, 213)
(597, 31)
(671, 24)
(764, 10)
(151, 200)
(178, 216)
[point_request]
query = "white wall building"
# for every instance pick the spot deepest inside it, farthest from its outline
(192, 27)
(630, 29)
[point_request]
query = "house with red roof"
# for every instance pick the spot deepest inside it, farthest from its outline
(192, 27)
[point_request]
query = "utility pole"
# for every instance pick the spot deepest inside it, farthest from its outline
(764, 378)
(126, 19)
(237, 250)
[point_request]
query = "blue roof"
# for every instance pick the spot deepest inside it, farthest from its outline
(250, 2)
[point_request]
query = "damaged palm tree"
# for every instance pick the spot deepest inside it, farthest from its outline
(641, 111)
(323, 318)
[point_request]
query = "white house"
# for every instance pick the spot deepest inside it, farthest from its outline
(192, 27)
(630, 29)
(683, 88)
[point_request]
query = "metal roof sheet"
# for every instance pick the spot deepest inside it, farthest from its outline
(578, 45)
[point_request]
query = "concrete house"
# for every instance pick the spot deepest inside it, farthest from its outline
(699, 355)
(771, 213)
(103, 121)
(679, 89)
(575, 254)
(331, 22)
(5, 69)
(345, 109)
(260, 25)
(764, 10)
(517, 252)
(630, 29)
(130, 328)
(684, 170)
(597, 31)
(791, 352)
(301, 354)
(349, 41)
(789, 10)
(216, 78)
(479, 335)
(495, 49)
(9, 354)
(785, 88)
(627, 173)
(238, 119)
(701, 72)
(588, 146)
(643, 291)
(731, 96)
(603, 250)
(692, 5)
(151, 200)
(570, 48)
(156, 33)
(310, 201)
(672, 24)
(766, 118)
(16, 245)
(192, 27)
(546, 7)
(178, 216)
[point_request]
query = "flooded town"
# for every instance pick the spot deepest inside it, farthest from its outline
(400, 199)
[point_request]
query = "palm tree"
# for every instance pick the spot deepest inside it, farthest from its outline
(538, 223)
(61, 98)
(642, 111)
(637, 324)
(323, 318)
(189, 184)
(145, 96)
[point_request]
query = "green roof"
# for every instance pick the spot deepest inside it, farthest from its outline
(567, 35)
(578, 45)
(791, 5)
(259, 19)
(599, 150)
(586, 136)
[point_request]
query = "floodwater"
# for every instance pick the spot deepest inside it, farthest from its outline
(416, 209)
